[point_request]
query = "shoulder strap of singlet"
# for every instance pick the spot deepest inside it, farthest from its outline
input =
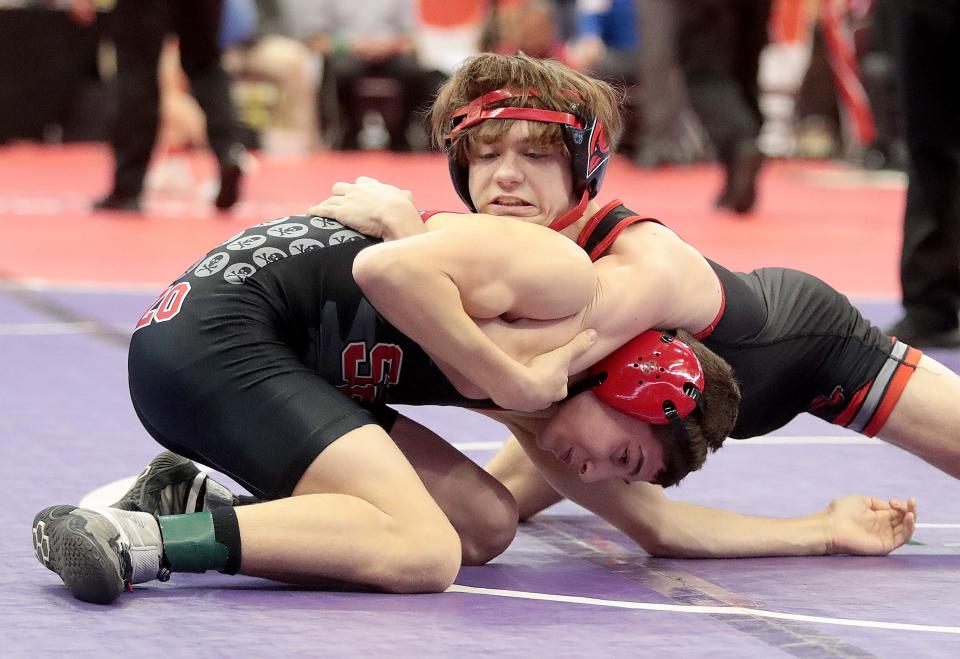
(604, 227)
(426, 215)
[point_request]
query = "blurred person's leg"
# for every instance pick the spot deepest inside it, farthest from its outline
(880, 80)
(715, 57)
(930, 260)
(197, 23)
(753, 23)
(671, 134)
(344, 69)
(293, 67)
(413, 82)
(138, 30)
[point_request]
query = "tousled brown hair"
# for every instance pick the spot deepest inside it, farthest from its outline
(721, 404)
(560, 88)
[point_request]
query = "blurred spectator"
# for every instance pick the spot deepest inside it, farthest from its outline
(720, 45)
(607, 47)
(275, 80)
(139, 29)
(607, 44)
(671, 133)
(927, 54)
(449, 33)
(528, 26)
(45, 88)
(878, 66)
(362, 42)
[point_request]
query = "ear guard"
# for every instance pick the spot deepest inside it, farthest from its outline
(643, 376)
(655, 378)
(584, 137)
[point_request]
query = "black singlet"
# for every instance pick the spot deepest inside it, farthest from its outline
(795, 344)
(265, 351)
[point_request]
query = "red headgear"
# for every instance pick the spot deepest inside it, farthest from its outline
(655, 378)
(584, 137)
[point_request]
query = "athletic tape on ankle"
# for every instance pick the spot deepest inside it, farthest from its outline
(190, 544)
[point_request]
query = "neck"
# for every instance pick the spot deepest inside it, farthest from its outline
(572, 231)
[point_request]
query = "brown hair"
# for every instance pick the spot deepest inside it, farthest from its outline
(560, 88)
(721, 403)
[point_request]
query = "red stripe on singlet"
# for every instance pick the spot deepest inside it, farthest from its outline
(708, 330)
(897, 384)
(593, 222)
(426, 215)
(850, 411)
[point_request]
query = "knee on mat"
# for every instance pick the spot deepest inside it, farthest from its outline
(430, 565)
(491, 531)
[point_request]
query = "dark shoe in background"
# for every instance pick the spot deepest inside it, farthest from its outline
(115, 202)
(919, 335)
(231, 174)
(740, 189)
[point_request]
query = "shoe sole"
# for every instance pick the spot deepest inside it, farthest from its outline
(65, 542)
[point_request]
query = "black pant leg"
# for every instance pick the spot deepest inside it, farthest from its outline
(197, 23)
(753, 23)
(709, 41)
(345, 69)
(930, 260)
(412, 78)
(138, 30)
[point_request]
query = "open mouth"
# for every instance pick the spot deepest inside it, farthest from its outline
(510, 202)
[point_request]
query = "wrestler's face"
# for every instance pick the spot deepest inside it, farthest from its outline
(600, 443)
(513, 176)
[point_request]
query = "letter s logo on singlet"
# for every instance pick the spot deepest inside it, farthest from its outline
(363, 374)
(166, 306)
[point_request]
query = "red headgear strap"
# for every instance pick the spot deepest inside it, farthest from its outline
(477, 111)
(573, 214)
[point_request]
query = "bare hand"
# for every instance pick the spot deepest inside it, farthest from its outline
(375, 209)
(868, 526)
(544, 380)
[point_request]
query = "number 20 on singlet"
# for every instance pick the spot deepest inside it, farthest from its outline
(166, 306)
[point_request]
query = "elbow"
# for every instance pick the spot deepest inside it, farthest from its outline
(369, 266)
(654, 544)
(379, 270)
(661, 550)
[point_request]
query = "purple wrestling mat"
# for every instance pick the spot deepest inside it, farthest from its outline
(570, 585)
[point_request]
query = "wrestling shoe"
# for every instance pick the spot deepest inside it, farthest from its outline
(173, 485)
(99, 554)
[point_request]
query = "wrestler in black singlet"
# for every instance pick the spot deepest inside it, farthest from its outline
(795, 344)
(239, 362)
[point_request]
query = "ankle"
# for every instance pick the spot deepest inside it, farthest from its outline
(202, 541)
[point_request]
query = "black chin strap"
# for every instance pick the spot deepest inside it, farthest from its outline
(586, 383)
(677, 422)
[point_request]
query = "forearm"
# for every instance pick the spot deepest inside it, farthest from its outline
(677, 529)
(688, 530)
(425, 305)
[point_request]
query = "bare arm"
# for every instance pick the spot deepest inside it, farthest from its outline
(853, 524)
(652, 279)
(431, 287)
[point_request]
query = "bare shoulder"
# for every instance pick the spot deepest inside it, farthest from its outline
(496, 225)
(520, 246)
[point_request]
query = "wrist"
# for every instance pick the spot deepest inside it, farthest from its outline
(826, 529)
(401, 221)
